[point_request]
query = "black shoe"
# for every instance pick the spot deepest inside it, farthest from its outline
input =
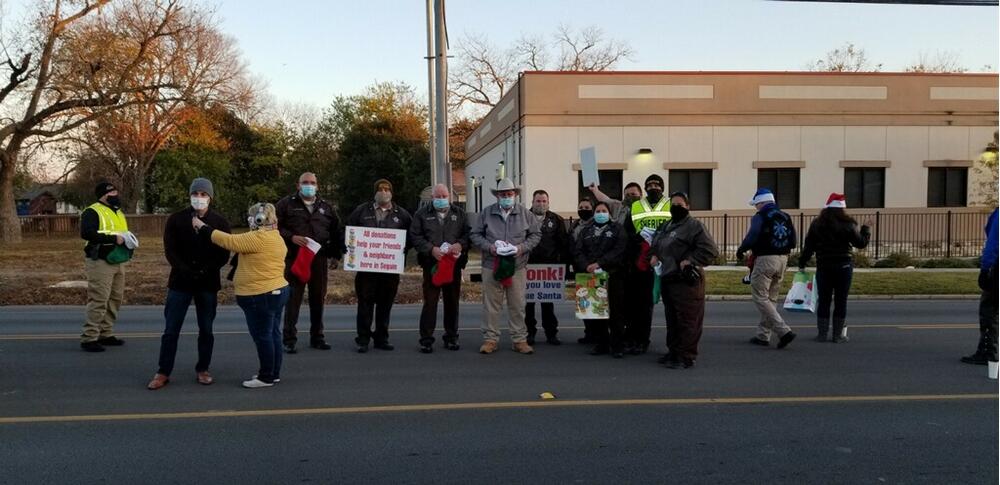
(363, 349)
(665, 358)
(639, 349)
(677, 364)
(451, 345)
(618, 354)
(585, 340)
(553, 340)
(786, 339)
(599, 350)
(91, 346)
(531, 339)
(426, 349)
(385, 346)
(290, 349)
(761, 342)
(821, 338)
(975, 359)
(111, 341)
(840, 339)
(320, 344)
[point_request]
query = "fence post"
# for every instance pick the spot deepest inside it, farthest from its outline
(947, 225)
(802, 230)
(878, 230)
(725, 237)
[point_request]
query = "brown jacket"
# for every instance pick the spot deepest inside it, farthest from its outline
(677, 241)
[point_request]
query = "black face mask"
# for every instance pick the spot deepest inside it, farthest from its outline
(654, 195)
(114, 201)
(585, 214)
(678, 213)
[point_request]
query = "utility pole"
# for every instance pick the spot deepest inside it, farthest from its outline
(430, 91)
(441, 163)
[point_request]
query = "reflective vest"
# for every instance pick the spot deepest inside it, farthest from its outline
(112, 221)
(644, 215)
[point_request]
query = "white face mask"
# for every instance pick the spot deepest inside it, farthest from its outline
(199, 203)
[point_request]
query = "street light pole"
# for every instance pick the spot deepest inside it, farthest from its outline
(441, 163)
(430, 92)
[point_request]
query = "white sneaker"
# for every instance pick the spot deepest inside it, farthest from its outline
(275, 381)
(256, 383)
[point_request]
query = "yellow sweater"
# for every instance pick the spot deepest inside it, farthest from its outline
(262, 260)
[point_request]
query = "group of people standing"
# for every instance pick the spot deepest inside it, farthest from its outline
(648, 244)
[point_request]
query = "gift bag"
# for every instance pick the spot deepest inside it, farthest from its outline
(802, 296)
(592, 296)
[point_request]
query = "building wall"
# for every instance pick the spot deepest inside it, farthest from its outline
(551, 152)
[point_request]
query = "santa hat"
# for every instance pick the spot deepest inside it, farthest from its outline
(762, 195)
(836, 201)
(302, 267)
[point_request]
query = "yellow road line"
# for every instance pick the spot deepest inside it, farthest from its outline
(404, 408)
(141, 335)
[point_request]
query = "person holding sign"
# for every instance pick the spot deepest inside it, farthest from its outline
(505, 232)
(645, 217)
(376, 291)
(553, 248)
(601, 248)
(440, 234)
(305, 216)
(679, 250)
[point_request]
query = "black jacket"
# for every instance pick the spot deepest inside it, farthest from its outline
(398, 218)
(832, 244)
(555, 244)
(604, 245)
(194, 260)
(321, 225)
(98, 245)
(429, 231)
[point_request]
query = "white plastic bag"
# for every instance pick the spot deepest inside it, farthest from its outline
(802, 296)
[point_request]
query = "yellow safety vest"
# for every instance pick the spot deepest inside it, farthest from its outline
(112, 221)
(643, 215)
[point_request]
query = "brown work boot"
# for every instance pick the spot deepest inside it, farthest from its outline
(159, 380)
(488, 347)
(205, 379)
(523, 348)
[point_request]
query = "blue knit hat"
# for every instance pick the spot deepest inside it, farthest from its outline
(762, 195)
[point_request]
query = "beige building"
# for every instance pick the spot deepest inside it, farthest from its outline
(887, 140)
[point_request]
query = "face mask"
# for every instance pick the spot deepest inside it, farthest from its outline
(678, 213)
(199, 203)
(654, 195)
(383, 197)
(114, 201)
(630, 199)
(602, 217)
(441, 204)
(308, 190)
(506, 202)
(585, 214)
(539, 209)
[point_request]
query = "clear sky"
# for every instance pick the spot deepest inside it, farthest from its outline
(311, 50)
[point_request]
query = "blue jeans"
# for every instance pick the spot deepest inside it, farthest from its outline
(263, 313)
(174, 312)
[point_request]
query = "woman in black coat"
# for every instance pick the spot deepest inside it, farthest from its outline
(600, 246)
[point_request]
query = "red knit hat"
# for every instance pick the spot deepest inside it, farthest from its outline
(836, 201)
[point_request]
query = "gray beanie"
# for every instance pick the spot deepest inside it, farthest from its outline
(202, 185)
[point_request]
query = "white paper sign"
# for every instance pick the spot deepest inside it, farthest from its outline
(588, 166)
(545, 282)
(374, 250)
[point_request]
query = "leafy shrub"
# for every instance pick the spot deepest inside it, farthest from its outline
(895, 260)
(948, 263)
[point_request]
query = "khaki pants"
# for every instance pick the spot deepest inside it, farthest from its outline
(494, 294)
(105, 292)
(765, 284)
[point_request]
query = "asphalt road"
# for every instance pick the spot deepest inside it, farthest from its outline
(892, 406)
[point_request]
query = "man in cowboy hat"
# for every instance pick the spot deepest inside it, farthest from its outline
(505, 232)
(377, 291)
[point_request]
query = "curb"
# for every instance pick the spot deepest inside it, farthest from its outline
(859, 297)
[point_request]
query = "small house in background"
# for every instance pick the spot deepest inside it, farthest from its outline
(43, 199)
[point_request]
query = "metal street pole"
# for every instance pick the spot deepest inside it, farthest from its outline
(442, 164)
(430, 91)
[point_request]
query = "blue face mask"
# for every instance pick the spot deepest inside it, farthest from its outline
(308, 190)
(441, 204)
(506, 202)
(602, 217)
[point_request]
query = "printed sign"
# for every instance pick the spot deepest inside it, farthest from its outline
(588, 166)
(374, 250)
(592, 296)
(546, 282)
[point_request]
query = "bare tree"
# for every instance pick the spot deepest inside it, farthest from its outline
(848, 58)
(941, 61)
(485, 72)
(80, 62)
(203, 68)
